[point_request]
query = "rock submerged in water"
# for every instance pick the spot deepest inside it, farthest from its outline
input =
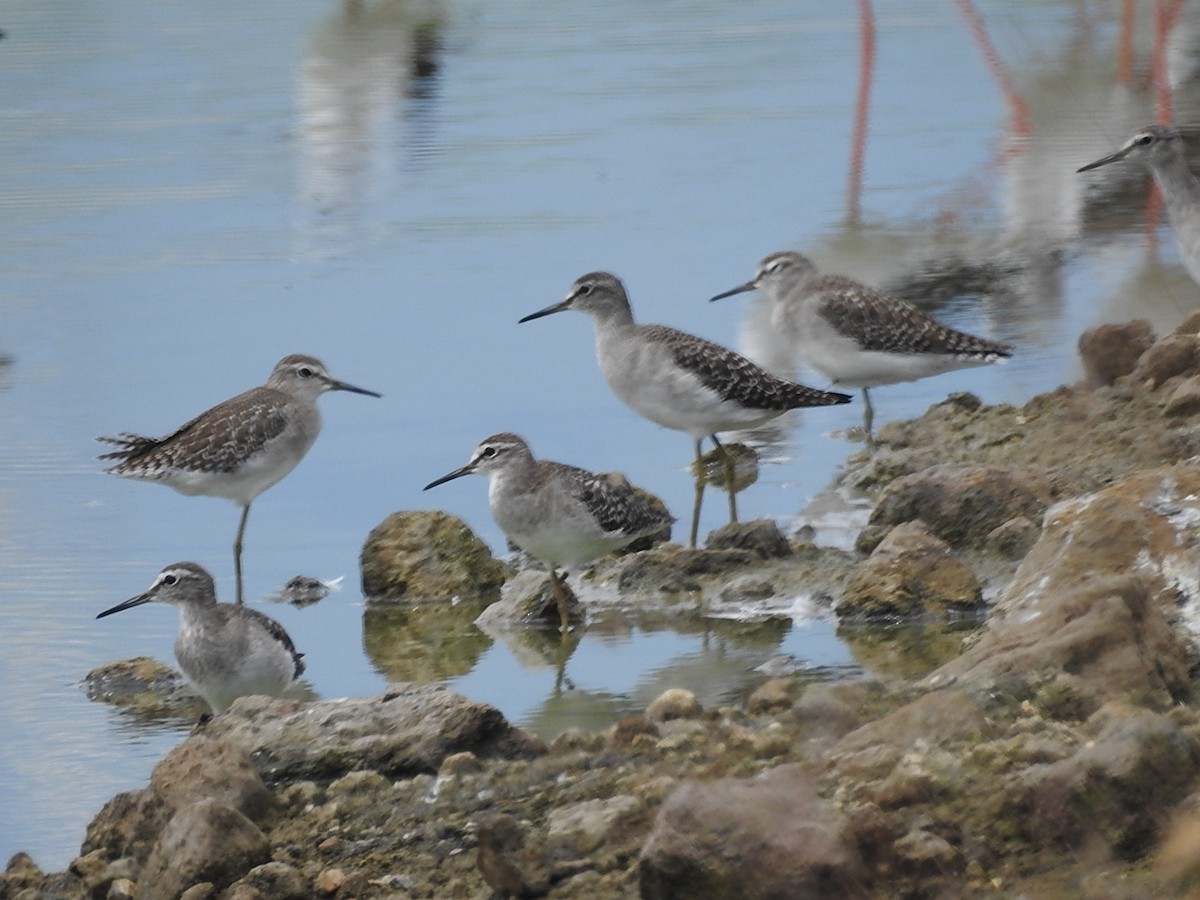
(427, 555)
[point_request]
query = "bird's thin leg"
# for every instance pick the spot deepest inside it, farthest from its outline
(237, 551)
(728, 457)
(868, 418)
(560, 597)
(699, 473)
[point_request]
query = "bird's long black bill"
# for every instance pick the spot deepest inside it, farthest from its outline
(1104, 161)
(128, 604)
(342, 386)
(549, 310)
(740, 289)
(457, 473)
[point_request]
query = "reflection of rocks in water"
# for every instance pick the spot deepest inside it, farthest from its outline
(715, 470)
(366, 90)
(150, 693)
(909, 650)
(424, 643)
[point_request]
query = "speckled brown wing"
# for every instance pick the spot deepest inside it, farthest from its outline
(736, 378)
(615, 503)
(214, 441)
(878, 322)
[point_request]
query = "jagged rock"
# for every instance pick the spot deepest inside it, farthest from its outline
(1013, 539)
(1185, 399)
(278, 881)
(1136, 763)
(674, 703)
(962, 504)
(910, 573)
(200, 768)
(736, 839)
(528, 601)
(578, 831)
(1093, 596)
(512, 857)
(205, 841)
(772, 696)
(1174, 354)
(1110, 351)
(408, 730)
(761, 537)
(427, 555)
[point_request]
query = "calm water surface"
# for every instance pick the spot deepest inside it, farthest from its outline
(187, 194)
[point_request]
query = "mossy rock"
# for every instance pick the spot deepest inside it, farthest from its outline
(427, 554)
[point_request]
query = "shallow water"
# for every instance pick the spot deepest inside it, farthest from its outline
(188, 195)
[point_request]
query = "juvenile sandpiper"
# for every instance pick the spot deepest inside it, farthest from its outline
(239, 448)
(857, 336)
(1160, 149)
(678, 380)
(561, 515)
(225, 651)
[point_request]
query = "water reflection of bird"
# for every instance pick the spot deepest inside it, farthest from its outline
(224, 651)
(240, 447)
(561, 515)
(858, 336)
(1160, 149)
(678, 380)
(364, 84)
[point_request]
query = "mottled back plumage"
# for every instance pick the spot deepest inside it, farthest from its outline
(240, 447)
(878, 322)
(678, 380)
(218, 440)
(559, 514)
(735, 377)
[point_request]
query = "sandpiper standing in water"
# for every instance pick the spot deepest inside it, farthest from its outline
(239, 448)
(225, 651)
(678, 380)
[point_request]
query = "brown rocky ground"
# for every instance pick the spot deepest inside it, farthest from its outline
(1054, 753)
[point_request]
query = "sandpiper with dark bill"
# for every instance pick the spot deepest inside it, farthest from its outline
(225, 651)
(678, 380)
(856, 336)
(1160, 149)
(561, 515)
(240, 447)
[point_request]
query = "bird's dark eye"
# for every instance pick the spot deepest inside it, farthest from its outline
(170, 579)
(489, 452)
(304, 372)
(584, 290)
(1145, 139)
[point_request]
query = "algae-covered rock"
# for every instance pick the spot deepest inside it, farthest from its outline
(427, 554)
(912, 573)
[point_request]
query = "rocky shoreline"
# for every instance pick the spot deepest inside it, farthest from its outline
(1053, 753)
